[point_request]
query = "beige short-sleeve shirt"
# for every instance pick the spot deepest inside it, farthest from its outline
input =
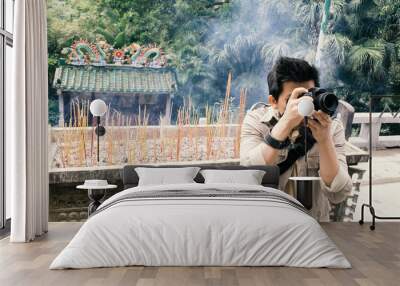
(254, 129)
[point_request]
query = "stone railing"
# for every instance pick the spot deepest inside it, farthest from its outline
(378, 141)
(150, 130)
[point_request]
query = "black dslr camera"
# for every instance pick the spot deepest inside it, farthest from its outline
(323, 100)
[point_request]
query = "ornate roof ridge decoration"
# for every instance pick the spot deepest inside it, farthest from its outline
(82, 52)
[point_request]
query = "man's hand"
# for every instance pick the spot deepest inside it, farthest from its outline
(320, 126)
(289, 120)
(291, 115)
(321, 131)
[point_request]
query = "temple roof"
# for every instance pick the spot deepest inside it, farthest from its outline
(115, 79)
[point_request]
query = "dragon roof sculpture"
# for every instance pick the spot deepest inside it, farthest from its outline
(82, 52)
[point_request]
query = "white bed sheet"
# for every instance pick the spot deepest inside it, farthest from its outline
(200, 232)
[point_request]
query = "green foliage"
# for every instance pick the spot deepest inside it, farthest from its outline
(53, 107)
(339, 47)
(372, 27)
(367, 59)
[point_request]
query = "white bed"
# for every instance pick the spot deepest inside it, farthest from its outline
(269, 229)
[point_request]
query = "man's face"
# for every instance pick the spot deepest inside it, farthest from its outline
(287, 89)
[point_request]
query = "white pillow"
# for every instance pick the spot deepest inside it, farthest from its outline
(166, 176)
(248, 177)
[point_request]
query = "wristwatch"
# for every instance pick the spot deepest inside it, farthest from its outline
(276, 144)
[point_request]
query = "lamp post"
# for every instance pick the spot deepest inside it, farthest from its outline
(98, 108)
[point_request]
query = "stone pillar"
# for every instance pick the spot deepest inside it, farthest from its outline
(376, 128)
(60, 108)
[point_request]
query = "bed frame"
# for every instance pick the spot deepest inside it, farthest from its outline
(130, 178)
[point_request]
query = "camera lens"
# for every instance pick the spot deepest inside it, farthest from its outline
(328, 102)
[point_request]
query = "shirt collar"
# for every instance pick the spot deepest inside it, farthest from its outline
(269, 115)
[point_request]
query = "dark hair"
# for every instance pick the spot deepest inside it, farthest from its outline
(290, 69)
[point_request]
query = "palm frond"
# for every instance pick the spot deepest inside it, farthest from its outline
(339, 6)
(367, 59)
(308, 13)
(338, 46)
(243, 54)
(273, 50)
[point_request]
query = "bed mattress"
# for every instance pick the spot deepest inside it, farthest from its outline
(201, 225)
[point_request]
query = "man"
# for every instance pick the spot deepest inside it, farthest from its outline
(273, 134)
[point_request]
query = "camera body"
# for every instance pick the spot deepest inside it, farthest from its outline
(323, 100)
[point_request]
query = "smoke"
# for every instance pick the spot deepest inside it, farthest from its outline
(254, 33)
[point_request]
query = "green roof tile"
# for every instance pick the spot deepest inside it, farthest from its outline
(115, 79)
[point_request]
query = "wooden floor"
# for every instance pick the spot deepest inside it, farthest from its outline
(375, 257)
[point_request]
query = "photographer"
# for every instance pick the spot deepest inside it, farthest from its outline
(274, 134)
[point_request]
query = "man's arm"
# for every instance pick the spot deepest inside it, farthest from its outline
(329, 165)
(290, 119)
(320, 126)
(252, 139)
(335, 180)
(279, 132)
(253, 149)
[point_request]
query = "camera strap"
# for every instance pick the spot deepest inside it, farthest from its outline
(297, 149)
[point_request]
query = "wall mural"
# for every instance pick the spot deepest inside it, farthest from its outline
(178, 79)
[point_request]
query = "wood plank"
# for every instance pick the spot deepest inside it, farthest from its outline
(375, 257)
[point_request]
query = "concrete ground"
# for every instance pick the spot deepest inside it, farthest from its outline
(386, 185)
(386, 201)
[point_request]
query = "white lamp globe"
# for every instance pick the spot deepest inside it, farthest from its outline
(98, 107)
(305, 107)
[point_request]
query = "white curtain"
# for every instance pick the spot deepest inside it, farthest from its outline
(26, 120)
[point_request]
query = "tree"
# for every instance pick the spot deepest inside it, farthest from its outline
(371, 32)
